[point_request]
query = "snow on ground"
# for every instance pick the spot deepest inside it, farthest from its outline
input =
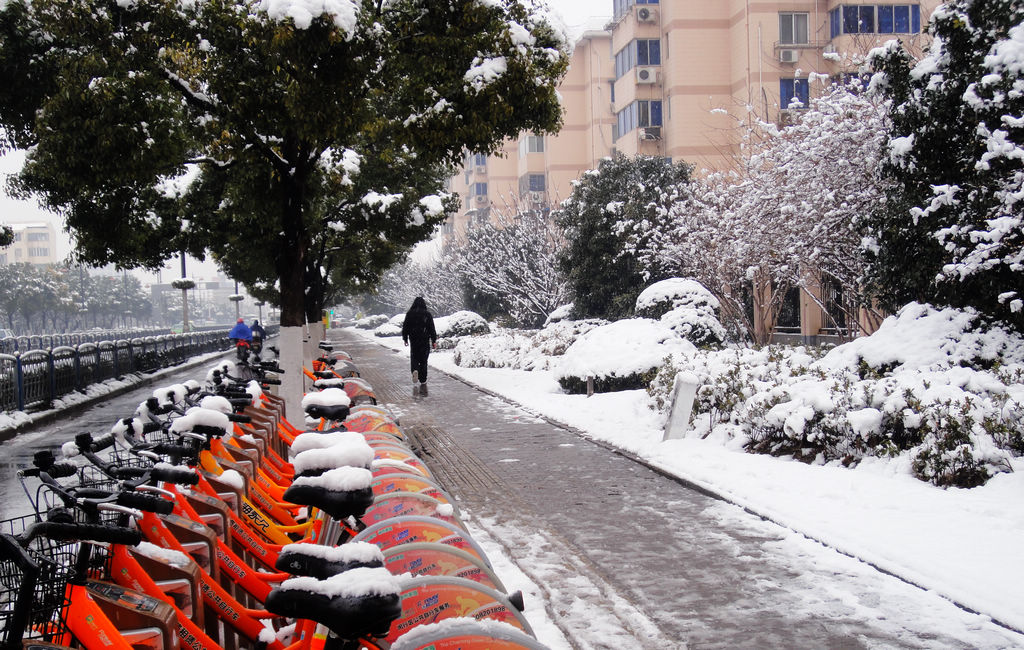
(961, 544)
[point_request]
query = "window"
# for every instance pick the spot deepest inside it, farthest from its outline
(38, 236)
(479, 159)
(873, 19)
(532, 183)
(638, 114)
(38, 252)
(793, 90)
(479, 189)
(17, 236)
(644, 51)
(531, 144)
(648, 52)
(793, 29)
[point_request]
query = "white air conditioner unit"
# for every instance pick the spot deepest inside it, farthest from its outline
(481, 169)
(789, 56)
(481, 198)
(646, 75)
(786, 117)
(646, 15)
(536, 197)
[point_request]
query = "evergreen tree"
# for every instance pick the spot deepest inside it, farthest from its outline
(603, 275)
(950, 229)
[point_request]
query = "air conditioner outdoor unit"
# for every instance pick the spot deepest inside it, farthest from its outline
(646, 15)
(789, 56)
(481, 169)
(650, 133)
(786, 117)
(646, 75)
(536, 197)
(481, 198)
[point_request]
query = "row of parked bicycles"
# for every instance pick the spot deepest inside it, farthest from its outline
(209, 520)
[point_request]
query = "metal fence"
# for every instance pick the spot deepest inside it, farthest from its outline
(33, 379)
(13, 344)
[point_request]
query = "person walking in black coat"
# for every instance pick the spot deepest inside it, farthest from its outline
(418, 329)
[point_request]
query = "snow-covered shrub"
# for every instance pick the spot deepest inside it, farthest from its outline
(685, 306)
(461, 323)
(562, 313)
(371, 322)
(556, 338)
(937, 388)
(623, 355)
(521, 349)
(501, 349)
(388, 329)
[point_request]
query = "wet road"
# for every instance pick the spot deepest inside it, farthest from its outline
(17, 452)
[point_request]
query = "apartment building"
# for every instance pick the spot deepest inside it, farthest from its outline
(536, 172)
(34, 242)
(690, 73)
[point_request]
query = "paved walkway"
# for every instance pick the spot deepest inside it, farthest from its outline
(629, 558)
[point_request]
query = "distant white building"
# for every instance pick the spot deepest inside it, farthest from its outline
(34, 242)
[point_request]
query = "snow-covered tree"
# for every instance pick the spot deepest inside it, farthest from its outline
(514, 261)
(239, 128)
(788, 216)
(436, 280)
(950, 231)
(604, 276)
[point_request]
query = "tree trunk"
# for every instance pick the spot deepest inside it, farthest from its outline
(291, 273)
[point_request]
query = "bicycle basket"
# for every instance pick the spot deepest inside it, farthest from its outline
(33, 580)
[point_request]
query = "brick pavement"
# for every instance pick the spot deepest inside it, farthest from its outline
(659, 564)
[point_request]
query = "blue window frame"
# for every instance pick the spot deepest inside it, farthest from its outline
(648, 52)
(479, 189)
(875, 19)
(792, 90)
(644, 51)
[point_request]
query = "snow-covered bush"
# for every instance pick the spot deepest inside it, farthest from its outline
(522, 349)
(556, 338)
(461, 323)
(371, 322)
(388, 329)
(501, 349)
(623, 355)
(685, 306)
(937, 389)
(562, 313)
(391, 328)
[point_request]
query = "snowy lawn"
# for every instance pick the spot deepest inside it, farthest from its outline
(962, 544)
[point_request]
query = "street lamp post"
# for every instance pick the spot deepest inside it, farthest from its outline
(184, 284)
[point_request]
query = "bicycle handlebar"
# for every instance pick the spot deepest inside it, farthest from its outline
(67, 532)
(57, 470)
(145, 502)
(174, 475)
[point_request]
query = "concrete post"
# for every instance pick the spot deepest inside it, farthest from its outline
(684, 390)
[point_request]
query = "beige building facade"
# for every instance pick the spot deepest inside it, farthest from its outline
(536, 172)
(34, 242)
(690, 73)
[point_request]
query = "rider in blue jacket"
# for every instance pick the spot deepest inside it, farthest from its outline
(240, 332)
